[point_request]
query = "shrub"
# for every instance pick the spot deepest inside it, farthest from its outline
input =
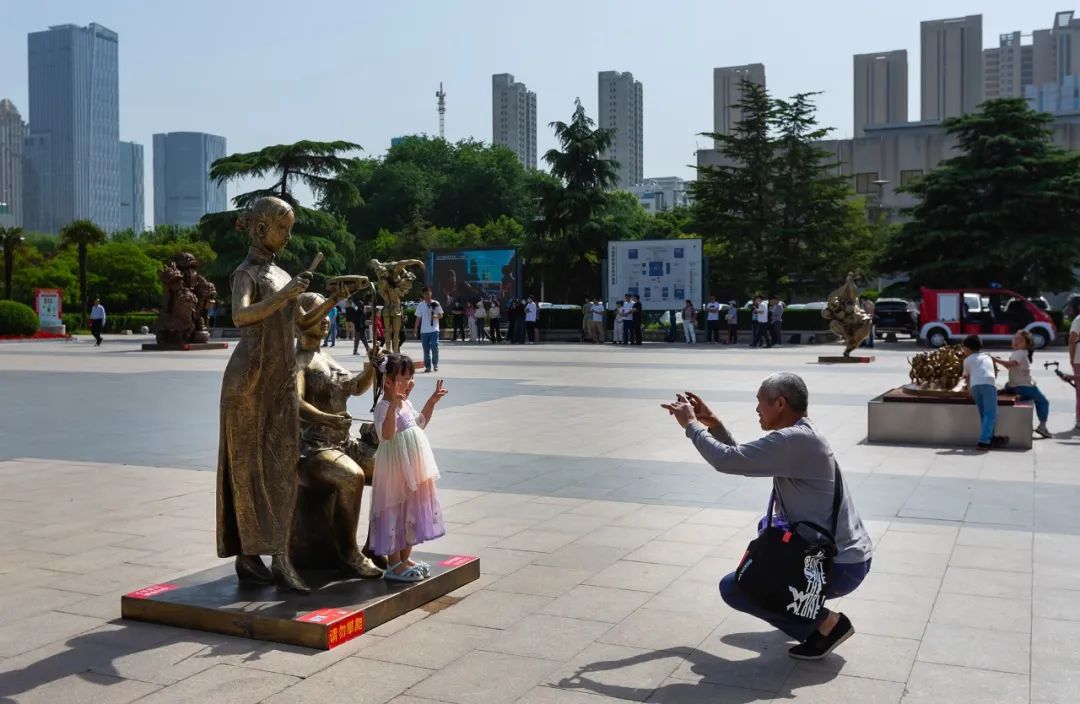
(17, 319)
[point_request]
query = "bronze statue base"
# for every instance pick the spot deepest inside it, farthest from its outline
(335, 612)
(184, 346)
(839, 359)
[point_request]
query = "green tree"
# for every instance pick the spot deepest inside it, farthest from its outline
(1005, 210)
(11, 238)
(124, 277)
(81, 234)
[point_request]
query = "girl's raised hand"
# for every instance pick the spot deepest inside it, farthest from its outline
(440, 391)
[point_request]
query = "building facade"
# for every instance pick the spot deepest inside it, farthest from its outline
(72, 154)
(1008, 67)
(132, 203)
(183, 191)
(881, 89)
(620, 108)
(659, 194)
(727, 93)
(12, 134)
(951, 67)
(513, 118)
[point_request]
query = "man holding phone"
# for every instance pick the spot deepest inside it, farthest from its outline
(428, 315)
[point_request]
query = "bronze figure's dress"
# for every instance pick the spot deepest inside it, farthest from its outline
(260, 427)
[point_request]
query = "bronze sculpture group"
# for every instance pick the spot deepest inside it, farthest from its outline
(846, 317)
(290, 474)
(185, 302)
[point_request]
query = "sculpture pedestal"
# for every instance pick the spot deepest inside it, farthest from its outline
(335, 611)
(944, 420)
(184, 346)
(840, 359)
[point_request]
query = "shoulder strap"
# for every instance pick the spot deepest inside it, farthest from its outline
(838, 495)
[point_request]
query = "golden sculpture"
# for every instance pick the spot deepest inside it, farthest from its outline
(332, 462)
(847, 318)
(395, 281)
(187, 297)
(938, 370)
(260, 427)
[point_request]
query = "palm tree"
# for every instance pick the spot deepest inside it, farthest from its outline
(11, 238)
(81, 234)
(315, 164)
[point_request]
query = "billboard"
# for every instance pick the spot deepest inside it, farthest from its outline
(470, 274)
(663, 272)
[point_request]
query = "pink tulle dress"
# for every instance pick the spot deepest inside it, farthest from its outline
(405, 509)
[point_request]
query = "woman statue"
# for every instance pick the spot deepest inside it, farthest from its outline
(331, 456)
(260, 427)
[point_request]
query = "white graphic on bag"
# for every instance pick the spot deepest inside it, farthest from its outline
(806, 604)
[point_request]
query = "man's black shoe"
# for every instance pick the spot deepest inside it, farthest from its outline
(818, 646)
(999, 441)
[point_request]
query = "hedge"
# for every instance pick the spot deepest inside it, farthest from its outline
(17, 319)
(113, 323)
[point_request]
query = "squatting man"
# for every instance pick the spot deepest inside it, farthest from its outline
(803, 471)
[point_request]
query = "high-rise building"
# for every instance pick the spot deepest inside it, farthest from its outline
(619, 102)
(1041, 69)
(727, 93)
(183, 191)
(513, 117)
(1008, 67)
(72, 155)
(881, 89)
(12, 133)
(132, 204)
(951, 67)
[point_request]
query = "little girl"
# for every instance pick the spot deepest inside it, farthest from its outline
(405, 510)
(1020, 382)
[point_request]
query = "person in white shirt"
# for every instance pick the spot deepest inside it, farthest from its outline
(732, 318)
(759, 312)
(493, 319)
(596, 309)
(712, 320)
(532, 314)
(979, 379)
(1074, 355)
(628, 320)
(689, 320)
(618, 332)
(97, 320)
(1020, 382)
(428, 315)
(776, 317)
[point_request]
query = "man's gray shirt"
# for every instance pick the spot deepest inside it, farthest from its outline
(803, 469)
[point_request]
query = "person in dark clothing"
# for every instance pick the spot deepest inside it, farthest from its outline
(457, 310)
(356, 315)
(637, 319)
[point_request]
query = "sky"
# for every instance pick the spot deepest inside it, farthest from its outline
(276, 71)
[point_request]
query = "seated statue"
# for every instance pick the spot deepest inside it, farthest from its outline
(332, 460)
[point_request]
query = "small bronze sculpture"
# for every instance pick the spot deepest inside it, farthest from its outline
(186, 301)
(260, 426)
(847, 318)
(937, 370)
(395, 281)
(333, 462)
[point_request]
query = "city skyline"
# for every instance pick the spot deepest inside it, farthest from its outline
(166, 87)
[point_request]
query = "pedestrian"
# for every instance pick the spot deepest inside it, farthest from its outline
(732, 319)
(636, 314)
(331, 337)
(470, 317)
(689, 317)
(712, 320)
(979, 375)
(457, 310)
(807, 489)
(1074, 355)
(481, 321)
(515, 322)
(428, 316)
(776, 318)
(211, 313)
(596, 308)
(868, 307)
(97, 321)
(356, 318)
(759, 312)
(618, 332)
(1020, 381)
(494, 322)
(405, 508)
(628, 320)
(532, 317)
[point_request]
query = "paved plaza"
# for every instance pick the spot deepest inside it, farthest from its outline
(601, 535)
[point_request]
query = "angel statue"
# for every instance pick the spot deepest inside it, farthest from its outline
(395, 280)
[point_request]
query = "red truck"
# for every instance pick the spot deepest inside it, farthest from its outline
(949, 315)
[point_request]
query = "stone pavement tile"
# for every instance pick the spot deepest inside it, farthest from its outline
(476, 585)
(41, 629)
(699, 598)
(1000, 559)
(355, 680)
(501, 562)
(163, 663)
(93, 560)
(947, 530)
(16, 603)
(811, 687)
(709, 570)
(740, 653)
(583, 556)
(933, 684)
(493, 609)
(898, 539)
(724, 517)
(886, 618)
(407, 699)
(949, 644)
(616, 671)
(460, 543)
(653, 629)
(485, 678)
(1060, 604)
(677, 691)
(640, 576)
(911, 562)
(966, 580)
(620, 537)
(82, 541)
(551, 695)
(85, 687)
(547, 637)
(430, 643)
(294, 660)
(116, 579)
(904, 589)
(995, 538)
(698, 533)
(577, 524)
(106, 606)
(988, 612)
(542, 580)
(496, 526)
(224, 684)
(1057, 576)
(536, 541)
(867, 655)
(1055, 644)
(656, 517)
(597, 603)
(668, 553)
